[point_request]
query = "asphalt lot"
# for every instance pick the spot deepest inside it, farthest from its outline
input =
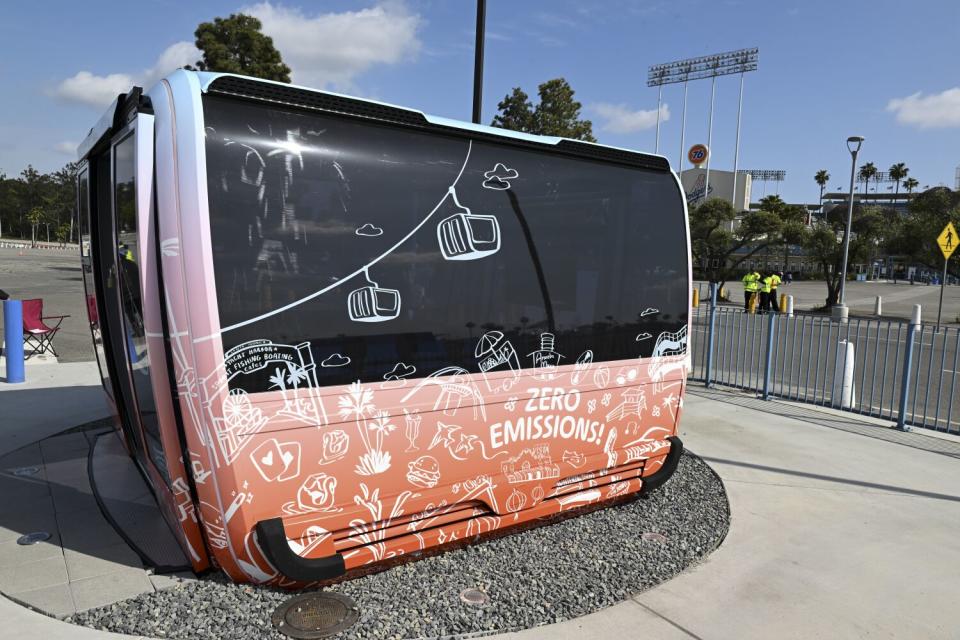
(898, 299)
(55, 276)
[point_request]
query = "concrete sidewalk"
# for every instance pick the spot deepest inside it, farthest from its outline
(834, 534)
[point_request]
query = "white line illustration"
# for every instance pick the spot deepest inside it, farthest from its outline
(499, 177)
(317, 493)
(373, 303)
(582, 367)
(455, 387)
(411, 430)
(643, 336)
(424, 472)
(626, 374)
(574, 458)
(467, 235)
(277, 461)
(633, 404)
(601, 378)
(369, 231)
(400, 371)
(335, 360)
(374, 426)
(546, 359)
(334, 446)
(515, 501)
(459, 443)
(357, 272)
(241, 420)
(170, 248)
(495, 353)
(671, 344)
(531, 465)
(649, 311)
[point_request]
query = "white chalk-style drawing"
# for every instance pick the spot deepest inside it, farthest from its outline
(216, 532)
(633, 404)
(277, 461)
(510, 404)
(545, 359)
(334, 445)
(530, 465)
(643, 336)
(671, 343)
(170, 248)
(499, 177)
(456, 386)
(601, 378)
(239, 499)
(411, 429)
(317, 493)
(424, 472)
(200, 474)
(655, 412)
(516, 501)
(451, 192)
(459, 443)
(372, 537)
(400, 371)
(466, 235)
(649, 311)
(313, 536)
(605, 399)
(579, 498)
(335, 360)
(494, 353)
(373, 426)
(610, 449)
(369, 231)
(581, 367)
(591, 405)
(574, 458)
(241, 420)
(373, 303)
(618, 489)
(626, 374)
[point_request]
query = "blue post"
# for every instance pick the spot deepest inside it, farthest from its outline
(907, 365)
(710, 331)
(768, 362)
(13, 339)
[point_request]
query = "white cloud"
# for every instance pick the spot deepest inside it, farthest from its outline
(67, 147)
(98, 91)
(333, 48)
(619, 118)
(937, 110)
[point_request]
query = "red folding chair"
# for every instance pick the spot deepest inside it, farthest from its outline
(37, 334)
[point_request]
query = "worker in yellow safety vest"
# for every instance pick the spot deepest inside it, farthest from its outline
(751, 285)
(765, 287)
(773, 303)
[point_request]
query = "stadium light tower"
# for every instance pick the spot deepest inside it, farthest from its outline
(720, 64)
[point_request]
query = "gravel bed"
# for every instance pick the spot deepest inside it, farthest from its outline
(539, 576)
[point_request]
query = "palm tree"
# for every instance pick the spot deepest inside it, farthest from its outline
(867, 172)
(821, 178)
(898, 172)
(910, 184)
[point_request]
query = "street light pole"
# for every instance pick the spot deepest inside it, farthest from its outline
(478, 61)
(853, 145)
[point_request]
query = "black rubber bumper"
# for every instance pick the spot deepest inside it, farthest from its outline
(273, 542)
(652, 482)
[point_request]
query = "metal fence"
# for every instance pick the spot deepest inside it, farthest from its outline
(884, 368)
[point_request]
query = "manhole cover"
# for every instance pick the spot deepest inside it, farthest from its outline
(25, 472)
(474, 596)
(33, 538)
(315, 615)
(653, 536)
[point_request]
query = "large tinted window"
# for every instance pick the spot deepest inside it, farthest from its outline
(381, 251)
(129, 261)
(86, 260)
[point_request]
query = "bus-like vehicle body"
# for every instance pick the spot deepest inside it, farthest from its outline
(335, 331)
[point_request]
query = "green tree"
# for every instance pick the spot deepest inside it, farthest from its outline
(898, 172)
(910, 184)
(557, 113)
(866, 174)
(236, 45)
(822, 177)
(35, 217)
(915, 237)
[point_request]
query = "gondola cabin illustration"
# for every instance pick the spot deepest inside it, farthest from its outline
(310, 340)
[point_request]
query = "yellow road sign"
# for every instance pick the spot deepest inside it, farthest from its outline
(947, 240)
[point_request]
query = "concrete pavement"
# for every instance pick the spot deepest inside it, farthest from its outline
(835, 533)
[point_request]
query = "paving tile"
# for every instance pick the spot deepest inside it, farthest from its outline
(22, 489)
(13, 554)
(172, 580)
(109, 588)
(56, 600)
(69, 499)
(29, 455)
(21, 518)
(75, 441)
(98, 562)
(66, 471)
(33, 575)
(86, 531)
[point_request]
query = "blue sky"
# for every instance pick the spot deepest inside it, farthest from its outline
(882, 69)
